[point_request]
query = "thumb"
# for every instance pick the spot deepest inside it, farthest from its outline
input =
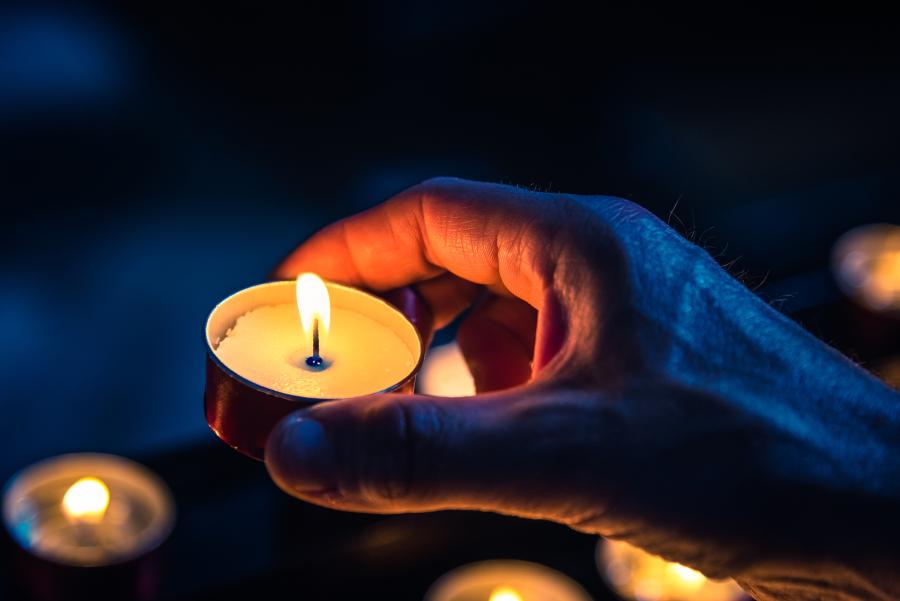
(517, 452)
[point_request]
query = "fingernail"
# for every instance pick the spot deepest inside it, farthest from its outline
(300, 457)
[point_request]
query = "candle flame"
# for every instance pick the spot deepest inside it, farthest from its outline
(687, 575)
(313, 303)
(86, 500)
(505, 594)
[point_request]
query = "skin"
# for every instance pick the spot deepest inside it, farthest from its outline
(627, 387)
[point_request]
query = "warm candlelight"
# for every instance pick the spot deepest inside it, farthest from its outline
(314, 307)
(366, 346)
(87, 510)
(505, 594)
(635, 574)
(866, 263)
(505, 580)
(86, 500)
(445, 373)
(278, 347)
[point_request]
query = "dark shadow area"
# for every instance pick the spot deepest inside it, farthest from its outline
(156, 158)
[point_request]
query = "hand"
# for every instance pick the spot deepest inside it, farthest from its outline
(628, 387)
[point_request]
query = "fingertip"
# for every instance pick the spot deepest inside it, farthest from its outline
(299, 456)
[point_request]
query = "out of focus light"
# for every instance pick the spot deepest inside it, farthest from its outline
(637, 575)
(86, 500)
(445, 373)
(866, 265)
(505, 580)
(686, 575)
(889, 371)
(505, 594)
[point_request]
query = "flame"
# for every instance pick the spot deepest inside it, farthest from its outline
(505, 594)
(635, 574)
(688, 576)
(867, 265)
(313, 303)
(86, 500)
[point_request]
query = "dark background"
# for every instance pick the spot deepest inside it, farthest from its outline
(154, 159)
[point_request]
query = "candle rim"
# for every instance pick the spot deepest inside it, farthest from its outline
(211, 352)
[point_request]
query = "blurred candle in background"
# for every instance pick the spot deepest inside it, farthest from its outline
(445, 373)
(636, 575)
(86, 526)
(87, 509)
(866, 264)
(505, 580)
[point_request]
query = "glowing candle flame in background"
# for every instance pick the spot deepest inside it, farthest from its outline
(86, 500)
(866, 265)
(636, 574)
(313, 303)
(505, 594)
(689, 577)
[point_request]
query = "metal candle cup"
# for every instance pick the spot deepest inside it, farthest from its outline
(243, 412)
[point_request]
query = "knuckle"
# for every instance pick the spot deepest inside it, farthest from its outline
(619, 211)
(438, 188)
(401, 441)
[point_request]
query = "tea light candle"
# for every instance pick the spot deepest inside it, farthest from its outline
(315, 350)
(866, 265)
(505, 580)
(281, 346)
(635, 574)
(87, 526)
(87, 510)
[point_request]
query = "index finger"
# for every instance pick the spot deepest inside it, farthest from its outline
(489, 234)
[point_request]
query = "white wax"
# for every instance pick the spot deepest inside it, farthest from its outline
(362, 356)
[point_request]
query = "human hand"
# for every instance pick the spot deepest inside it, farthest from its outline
(628, 387)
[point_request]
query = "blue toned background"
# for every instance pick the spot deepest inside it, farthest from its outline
(154, 159)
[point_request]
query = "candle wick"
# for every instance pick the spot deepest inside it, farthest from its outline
(316, 338)
(315, 360)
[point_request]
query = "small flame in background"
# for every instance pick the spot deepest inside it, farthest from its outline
(867, 266)
(445, 373)
(86, 500)
(505, 594)
(635, 574)
(313, 303)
